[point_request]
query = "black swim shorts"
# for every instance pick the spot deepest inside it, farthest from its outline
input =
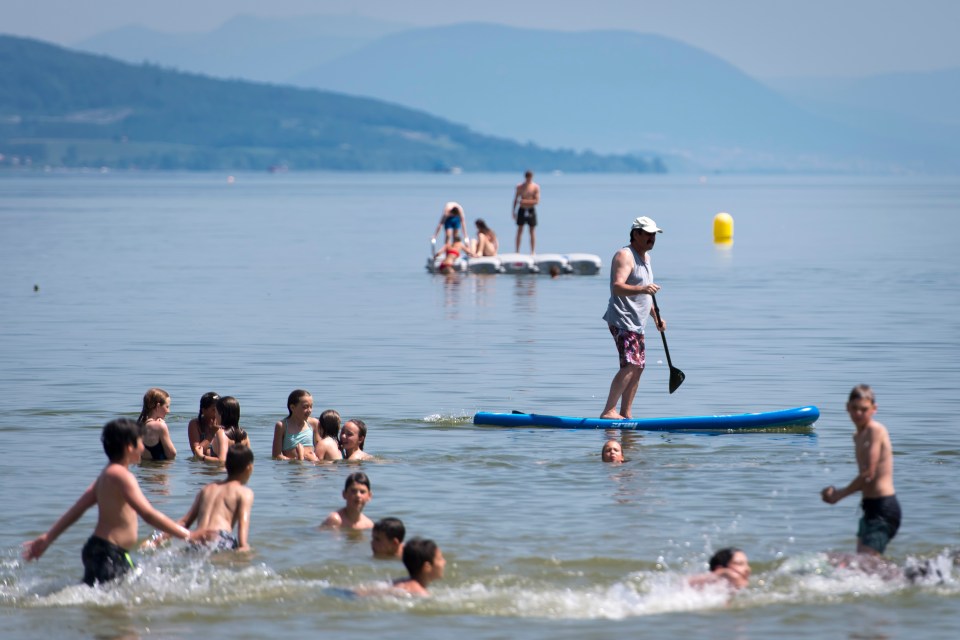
(880, 522)
(527, 215)
(104, 561)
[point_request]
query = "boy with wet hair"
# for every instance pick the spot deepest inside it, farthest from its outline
(221, 506)
(424, 562)
(874, 453)
(119, 501)
(387, 538)
(728, 564)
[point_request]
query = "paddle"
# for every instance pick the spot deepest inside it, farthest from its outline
(676, 376)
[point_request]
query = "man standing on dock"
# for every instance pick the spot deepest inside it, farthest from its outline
(528, 196)
(631, 288)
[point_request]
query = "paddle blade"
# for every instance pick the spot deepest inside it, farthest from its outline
(676, 378)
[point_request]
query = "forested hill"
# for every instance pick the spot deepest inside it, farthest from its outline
(64, 108)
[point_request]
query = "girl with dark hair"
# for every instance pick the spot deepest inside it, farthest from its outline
(202, 429)
(230, 432)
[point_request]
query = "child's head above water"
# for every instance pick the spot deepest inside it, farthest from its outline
(612, 451)
(387, 537)
(423, 559)
(117, 435)
(239, 458)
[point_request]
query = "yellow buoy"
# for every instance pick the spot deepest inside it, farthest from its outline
(723, 228)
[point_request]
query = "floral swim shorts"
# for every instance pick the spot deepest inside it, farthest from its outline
(630, 347)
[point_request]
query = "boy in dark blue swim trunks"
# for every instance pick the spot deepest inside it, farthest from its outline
(119, 501)
(881, 510)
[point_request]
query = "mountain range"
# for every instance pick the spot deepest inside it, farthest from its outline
(607, 91)
(65, 108)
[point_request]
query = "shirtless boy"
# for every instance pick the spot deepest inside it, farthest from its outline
(881, 511)
(424, 562)
(119, 501)
(528, 196)
(357, 493)
(386, 540)
(221, 506)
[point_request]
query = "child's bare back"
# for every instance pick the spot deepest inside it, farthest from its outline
(221, 506)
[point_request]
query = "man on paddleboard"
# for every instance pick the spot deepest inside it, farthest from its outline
(631, 287)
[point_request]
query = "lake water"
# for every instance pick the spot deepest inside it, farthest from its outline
(274, 282)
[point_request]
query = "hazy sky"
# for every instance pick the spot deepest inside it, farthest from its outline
(765, 38)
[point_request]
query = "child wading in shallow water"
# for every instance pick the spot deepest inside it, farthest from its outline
(871, 442)
(222, 506)
(119, 501)
(357, 493)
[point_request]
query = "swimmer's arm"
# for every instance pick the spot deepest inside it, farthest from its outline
(536, 195)
(873, 446)
(167, 442)
(193, 437)
(333, 521)
(243, 521)
(516, 198)
(832, 495)
(223, 443)
(278, 441)
(35, 548)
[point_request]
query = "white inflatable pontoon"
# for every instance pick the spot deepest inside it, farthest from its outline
(520, 263)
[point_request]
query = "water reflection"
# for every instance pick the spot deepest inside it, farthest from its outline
(485, 286)
(452, 292)
(525, 293)
(155, 474)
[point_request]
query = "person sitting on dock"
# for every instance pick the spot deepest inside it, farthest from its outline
(486, 243)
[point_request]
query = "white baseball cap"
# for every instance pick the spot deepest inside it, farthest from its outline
(646, 224)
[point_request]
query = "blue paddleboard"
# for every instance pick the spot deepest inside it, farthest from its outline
(786, 418)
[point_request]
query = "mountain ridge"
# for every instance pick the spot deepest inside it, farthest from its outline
(66, 108)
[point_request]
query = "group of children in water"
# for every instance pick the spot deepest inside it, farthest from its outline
(222, 507)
